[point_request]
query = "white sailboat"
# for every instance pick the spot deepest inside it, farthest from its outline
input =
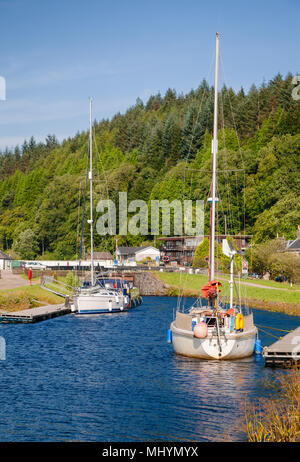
(94, 298)
(214, 331)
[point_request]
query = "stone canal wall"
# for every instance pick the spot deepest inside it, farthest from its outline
(149, 285)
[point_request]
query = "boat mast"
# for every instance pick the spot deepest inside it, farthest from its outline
(214, 167)
(91, 195)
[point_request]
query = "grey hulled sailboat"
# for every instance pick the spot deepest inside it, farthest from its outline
(214, 331)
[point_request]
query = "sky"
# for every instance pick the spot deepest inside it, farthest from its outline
(55, 54)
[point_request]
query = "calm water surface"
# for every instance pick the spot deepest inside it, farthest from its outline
(114, 378)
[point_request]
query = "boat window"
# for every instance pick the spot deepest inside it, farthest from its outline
(211, 321)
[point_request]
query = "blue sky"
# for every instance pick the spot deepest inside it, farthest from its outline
(55, 54)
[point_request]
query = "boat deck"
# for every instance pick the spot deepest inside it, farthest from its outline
(285, 351)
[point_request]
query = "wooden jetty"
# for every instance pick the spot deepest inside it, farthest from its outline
(285, 352)
(34, 314)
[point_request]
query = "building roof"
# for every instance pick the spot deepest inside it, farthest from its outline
(101, 256)
(129, 250)
(148, 247)
(293, 246)
(133, 250)
(3, 256)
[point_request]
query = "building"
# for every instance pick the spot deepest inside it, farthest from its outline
(293, 246)
(180, 249)
(147, 253)
(126, 255)
(5, 261)
(104, 258)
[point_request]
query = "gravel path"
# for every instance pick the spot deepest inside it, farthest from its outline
(9, 280)
(252, 284)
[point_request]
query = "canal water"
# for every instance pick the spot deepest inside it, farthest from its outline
(114, 378)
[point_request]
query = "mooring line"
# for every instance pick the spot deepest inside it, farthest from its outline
(274, 328)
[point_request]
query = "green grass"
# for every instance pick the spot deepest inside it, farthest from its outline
(23, 297)
(191, 285)
(273, 284)
(183, 280)
(34, 280)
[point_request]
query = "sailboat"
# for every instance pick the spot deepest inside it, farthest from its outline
(93, 298)
(214, 330)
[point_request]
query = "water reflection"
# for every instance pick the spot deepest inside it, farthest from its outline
(114, 378)
(215, 390)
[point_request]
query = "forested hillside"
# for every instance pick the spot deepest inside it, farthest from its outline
(160, 150)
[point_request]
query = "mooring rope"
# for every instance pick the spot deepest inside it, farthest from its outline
(274, 328)
(268, 333)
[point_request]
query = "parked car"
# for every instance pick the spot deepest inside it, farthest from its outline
(35, 265)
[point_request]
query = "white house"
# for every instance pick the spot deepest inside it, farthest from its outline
(125, 255)
(147, 253)
(5, 261)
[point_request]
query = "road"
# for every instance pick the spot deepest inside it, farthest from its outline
(11, 281)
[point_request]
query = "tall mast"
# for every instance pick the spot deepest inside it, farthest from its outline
(214, 168)
(91, 195)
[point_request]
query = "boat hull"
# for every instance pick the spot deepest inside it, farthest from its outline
(97, 304)
(235, 345)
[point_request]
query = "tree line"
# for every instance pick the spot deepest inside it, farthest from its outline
(160, 149)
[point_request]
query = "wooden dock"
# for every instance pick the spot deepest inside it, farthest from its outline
(285, 352)
(34, 314)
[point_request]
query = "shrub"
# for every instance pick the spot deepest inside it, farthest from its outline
(277, 420)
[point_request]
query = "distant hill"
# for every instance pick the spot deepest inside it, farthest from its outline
(161, 150)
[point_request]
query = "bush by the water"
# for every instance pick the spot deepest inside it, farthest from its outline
(277, 419)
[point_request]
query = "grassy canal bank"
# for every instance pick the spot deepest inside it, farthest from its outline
(25, 297)
(267, 295)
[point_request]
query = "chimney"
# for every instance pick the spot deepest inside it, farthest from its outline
(298, 232)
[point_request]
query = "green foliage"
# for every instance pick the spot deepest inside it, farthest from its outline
(26, 245)
(162, 150)
(71, 279)
(201, 256)
(269, 257)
